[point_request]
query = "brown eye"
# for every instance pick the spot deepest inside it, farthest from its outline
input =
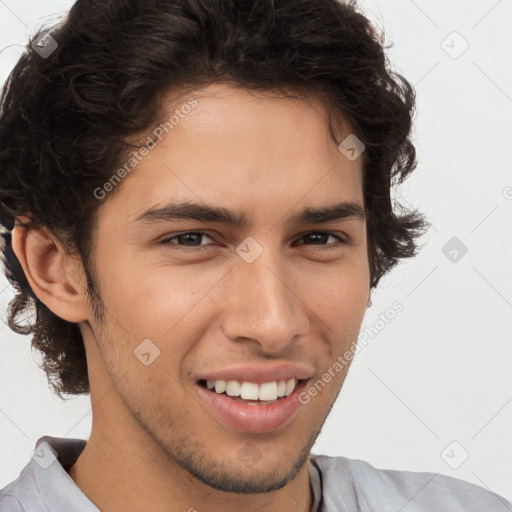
(187, 239)
(319, 236)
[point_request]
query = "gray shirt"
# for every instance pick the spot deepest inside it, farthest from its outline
(339, 484)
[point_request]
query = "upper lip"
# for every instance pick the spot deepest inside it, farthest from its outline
(260, 373)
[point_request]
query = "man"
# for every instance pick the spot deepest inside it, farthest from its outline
(195, 196)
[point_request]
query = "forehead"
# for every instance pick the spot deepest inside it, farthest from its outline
(255, 151)
(269, 116)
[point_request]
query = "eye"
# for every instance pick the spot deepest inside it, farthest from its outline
(324, 236)
(190, 239)
(189, 236)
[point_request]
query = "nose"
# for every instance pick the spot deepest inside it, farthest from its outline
(265, 304)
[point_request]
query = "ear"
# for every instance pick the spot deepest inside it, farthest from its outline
(55, 277)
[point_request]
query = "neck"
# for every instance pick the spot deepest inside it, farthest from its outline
(124, 468)
(122, 472)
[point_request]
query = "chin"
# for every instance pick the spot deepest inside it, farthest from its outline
(245, 481)
(244, 475)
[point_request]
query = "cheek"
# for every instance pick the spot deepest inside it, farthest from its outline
(341, 294)
(339, 302)
(152, 300)
(159, 300)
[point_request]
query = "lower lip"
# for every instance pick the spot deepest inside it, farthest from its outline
(253, 418)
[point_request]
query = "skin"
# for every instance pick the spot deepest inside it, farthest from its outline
(153, 443)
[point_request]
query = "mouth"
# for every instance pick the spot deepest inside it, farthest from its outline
(250, 406)
(252, 393)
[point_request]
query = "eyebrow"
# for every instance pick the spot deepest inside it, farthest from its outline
(207, 213)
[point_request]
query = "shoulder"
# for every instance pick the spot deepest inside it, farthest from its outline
(387, 489)
(43, 483)
(21, 494)
(8, 502)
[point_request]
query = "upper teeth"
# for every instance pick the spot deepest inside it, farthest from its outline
(251, 390)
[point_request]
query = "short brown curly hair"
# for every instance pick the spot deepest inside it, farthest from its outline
(66, 119)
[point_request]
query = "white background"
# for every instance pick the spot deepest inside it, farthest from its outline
(441, 370)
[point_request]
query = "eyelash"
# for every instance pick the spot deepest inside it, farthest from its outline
(167, 240)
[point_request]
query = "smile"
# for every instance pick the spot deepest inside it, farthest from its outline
(266, 392)
(252, 407)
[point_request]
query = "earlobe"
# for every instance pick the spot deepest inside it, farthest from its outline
(53, 275)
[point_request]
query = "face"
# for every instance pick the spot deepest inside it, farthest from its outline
(191, 303)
